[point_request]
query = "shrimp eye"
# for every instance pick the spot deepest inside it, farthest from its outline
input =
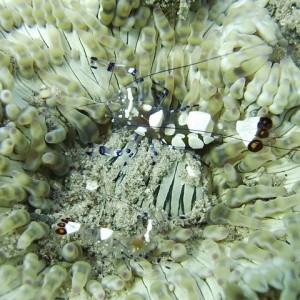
(61, 224)
(262, 133)
(264, 123)
(255, 146)
(61, 231)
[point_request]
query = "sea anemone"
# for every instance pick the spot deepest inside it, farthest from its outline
(214, 216)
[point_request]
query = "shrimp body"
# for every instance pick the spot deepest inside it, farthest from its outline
(180, 128)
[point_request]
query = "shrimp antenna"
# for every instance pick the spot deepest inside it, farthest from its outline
(139, 79)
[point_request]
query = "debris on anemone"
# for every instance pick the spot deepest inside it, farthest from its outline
(216, 219)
